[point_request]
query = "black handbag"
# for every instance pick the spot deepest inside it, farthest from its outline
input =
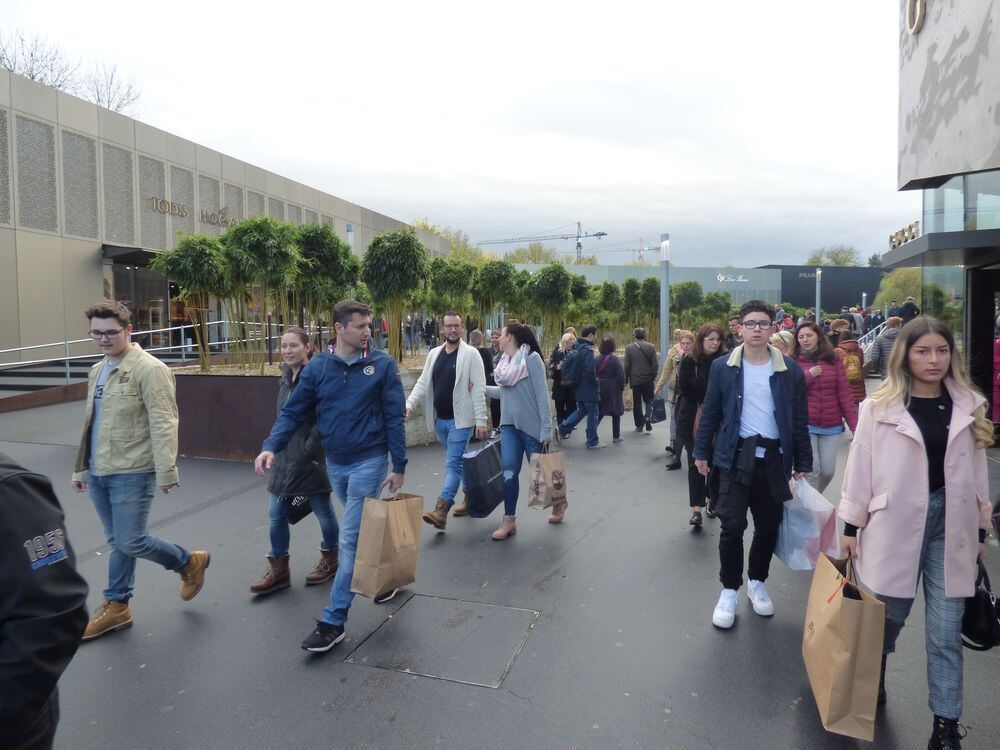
(981, 621)
(657, 411)
(298, 507)
(482, 476)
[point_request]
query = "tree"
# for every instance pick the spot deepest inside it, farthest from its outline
(611, 297)
(329, 269)
(550, 290)
(685, 295)
(579, 288)
(835, 255)
(584, 260)
(196, 265)
(493, 286)
(649, 306)
(461, 245)
(874, 260)
(535, 252)
(394, 264)
(630, 298)
(106, 87)
(451, 281)
(898, 285)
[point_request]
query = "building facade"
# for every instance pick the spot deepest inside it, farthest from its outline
(949, 147)
(87, 196)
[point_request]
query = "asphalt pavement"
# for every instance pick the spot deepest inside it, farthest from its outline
(595, 633)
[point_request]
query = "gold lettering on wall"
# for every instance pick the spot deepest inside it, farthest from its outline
(163, 206)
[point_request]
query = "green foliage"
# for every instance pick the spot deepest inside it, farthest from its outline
(717, 305)
(875, 260)
(451, 282)
(394, 264)
(551, 288)
(461, 245)
(611, 297)
(535, 252)
(684, 296)
(585, 260)
(898, 285)
(630, 297)
(493, 286)
(649, 296)
(579, 288)
(835, 255)
(328, 271)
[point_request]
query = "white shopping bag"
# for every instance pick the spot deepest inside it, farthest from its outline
(808, 527)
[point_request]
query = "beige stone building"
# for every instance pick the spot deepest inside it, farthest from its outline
(87, 196)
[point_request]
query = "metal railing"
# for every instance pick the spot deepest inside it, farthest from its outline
(866, 341)
(187, 345)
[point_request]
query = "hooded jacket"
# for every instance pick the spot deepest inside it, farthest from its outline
(588, 389)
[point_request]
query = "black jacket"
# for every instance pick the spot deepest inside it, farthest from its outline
(908, 312)
(692, 385)
(487, 355)
(299, 469)
(43, 600)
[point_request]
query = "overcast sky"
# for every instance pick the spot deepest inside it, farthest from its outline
(752, 132)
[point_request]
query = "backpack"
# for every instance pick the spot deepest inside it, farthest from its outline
(852, 364)
(571, 366)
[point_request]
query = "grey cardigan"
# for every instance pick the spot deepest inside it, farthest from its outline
(525, 405)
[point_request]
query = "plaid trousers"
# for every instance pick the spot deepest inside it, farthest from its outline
(944, 619)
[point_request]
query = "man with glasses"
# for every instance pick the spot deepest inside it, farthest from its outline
(454, 384)
(756, 414)
(735, 336)
(128, 449)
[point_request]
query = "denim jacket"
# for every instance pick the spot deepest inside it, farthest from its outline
(723, 407)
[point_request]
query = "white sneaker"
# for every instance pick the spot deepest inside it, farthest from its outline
(725, 611)
(761, 602)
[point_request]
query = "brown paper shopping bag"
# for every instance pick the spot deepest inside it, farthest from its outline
(547, 480)
(627, 398)
(842, 649)
(388, 543)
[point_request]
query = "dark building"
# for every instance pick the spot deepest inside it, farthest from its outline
(842, 286)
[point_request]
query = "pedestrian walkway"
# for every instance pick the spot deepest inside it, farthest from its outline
(621, 652)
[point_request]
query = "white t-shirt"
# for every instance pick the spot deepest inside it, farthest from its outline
(758, 403)
(95, 422)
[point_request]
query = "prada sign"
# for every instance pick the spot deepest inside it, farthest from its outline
(217, 219)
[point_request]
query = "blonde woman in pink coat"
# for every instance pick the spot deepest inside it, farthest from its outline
(915, 503)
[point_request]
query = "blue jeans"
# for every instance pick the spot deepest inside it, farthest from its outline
(514, 445)
(943, 628)
(454, 441)
(586, 409)
(277, 513)
(122, 502)
(352, 483)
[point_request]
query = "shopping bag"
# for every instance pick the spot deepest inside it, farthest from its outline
(842, 649)
(657, 411)
(388, 543)
(547, 480)
(482, 476)
(298, 508)
(627, 398)
(808, 527)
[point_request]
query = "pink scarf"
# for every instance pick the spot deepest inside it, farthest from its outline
(509, 371)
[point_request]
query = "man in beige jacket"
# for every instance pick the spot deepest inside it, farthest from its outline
(128, 448)
(454, 385)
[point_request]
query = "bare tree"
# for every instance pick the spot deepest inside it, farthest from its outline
(108, 88)
(33, 57)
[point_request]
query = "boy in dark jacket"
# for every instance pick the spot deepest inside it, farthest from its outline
(754, 425)
(587, 390)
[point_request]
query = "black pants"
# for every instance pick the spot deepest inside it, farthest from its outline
(565, 406)
(731, 505)
(642, 398)
(495, 412)
(35, 730)
(697, 484)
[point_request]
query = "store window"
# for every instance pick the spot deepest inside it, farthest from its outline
(982, 200)
(943, 296)
(944, 209)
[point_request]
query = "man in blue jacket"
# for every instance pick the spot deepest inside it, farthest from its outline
(756, 414)
(357, 397)
(588, 390)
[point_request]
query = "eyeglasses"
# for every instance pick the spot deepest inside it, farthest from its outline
(761, 324)
(452, 326)
(106, 335)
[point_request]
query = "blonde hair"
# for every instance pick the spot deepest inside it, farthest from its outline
(894, 322)
(566, 340)
(683, 333)
(783, 337)
(896, 386)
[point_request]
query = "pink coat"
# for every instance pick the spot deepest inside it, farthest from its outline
(885, 493)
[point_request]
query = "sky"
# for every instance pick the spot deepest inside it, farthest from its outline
(753, 133)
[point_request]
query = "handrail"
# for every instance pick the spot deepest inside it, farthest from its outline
(869, 338)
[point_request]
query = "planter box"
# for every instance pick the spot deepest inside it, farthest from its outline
(228, 416)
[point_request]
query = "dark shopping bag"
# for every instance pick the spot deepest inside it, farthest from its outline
(657, 411)
(981, 621)
(842, 648)
(388, 543)
(298, 507)
(482, 476)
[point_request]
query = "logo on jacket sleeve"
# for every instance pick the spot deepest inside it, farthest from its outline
(369, 370)
(46, 549)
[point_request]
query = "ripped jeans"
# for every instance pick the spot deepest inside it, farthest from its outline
(515, 444)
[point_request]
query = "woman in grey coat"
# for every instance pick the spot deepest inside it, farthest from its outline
(878, 357)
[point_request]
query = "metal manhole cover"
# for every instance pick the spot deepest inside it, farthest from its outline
(449, 639)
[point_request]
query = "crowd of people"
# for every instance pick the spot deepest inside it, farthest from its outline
(751, 408)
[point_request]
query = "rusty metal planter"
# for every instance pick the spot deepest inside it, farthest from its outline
(225, 416)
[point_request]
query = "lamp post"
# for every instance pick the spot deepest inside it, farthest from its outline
(819, 284)
(664, 294)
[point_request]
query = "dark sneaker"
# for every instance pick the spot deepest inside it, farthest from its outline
(324, 637)
(695, 518)
(638, 429)
(383, 598)
(649, 426)
(674, 465)
(710, 510)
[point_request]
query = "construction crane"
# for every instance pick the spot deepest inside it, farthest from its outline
(580, 234)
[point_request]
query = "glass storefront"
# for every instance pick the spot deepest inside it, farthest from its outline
(966, 202)
(145, 293)
(943, 296)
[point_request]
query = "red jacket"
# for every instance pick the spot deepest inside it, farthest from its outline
(829, 395)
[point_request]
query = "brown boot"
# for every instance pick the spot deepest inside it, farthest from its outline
(277, 576)
(439, 516)
(558, 512)
(325, 569)
(193, 575)
(110, 616)
(462, 508)
(508, 527)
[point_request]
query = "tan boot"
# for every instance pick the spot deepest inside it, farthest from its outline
(558, 512)
(325, 569)
(193, 575)
(110, 616)
(277, 576)
(439, 516)
(508, 527)
(462, 508)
